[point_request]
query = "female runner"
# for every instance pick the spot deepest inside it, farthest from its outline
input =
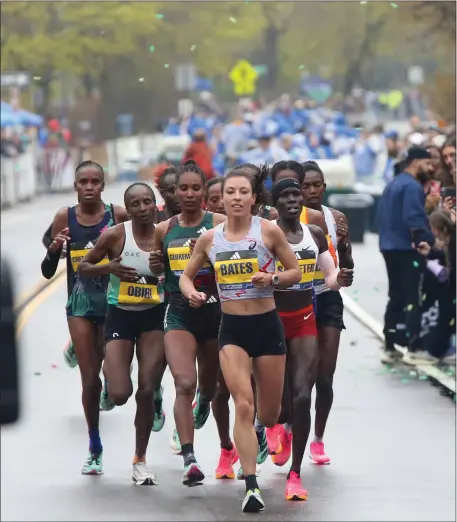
(189, 333)
(242, 252)
(295, 308)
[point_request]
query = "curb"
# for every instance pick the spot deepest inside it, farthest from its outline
(376, 327)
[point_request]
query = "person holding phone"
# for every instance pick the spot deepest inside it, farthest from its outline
(403, 225)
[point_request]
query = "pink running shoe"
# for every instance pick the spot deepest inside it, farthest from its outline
(317, 453)
(294, 489)
(227, 459)
(286, 444)
(274, 436)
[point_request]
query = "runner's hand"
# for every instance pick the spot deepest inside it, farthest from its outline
(262, 279)
(197, 299)
(453, 215)
(345, 277)
(59, 240)
(125, 273)
(155, 259)
(341, 230)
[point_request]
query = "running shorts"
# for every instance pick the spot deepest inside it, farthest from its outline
(128, 325)
(258, 335)
(301, 323)
(330, 310)
(203, 323)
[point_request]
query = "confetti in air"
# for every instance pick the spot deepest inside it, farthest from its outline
(415, 264)
(409, 307)
(233, 20)
(394, 5)
(159, 16)
(152, 48)
(141, 80)
(193, 48)
(166, 65)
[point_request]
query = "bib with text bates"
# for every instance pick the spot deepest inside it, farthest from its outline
(235, 269)
(307, 262)
(142, 291)
(79, 250)
(179, 254)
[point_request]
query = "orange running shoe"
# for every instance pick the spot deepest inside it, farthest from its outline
(294, 489)
(286, 444)
(274, 435)
(227, 459)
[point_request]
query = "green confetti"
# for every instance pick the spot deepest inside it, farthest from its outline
(362, 3)
(301, 67)
(423, 377)
(376, 289)
(393, 370)
(193, 48)
(141, 80)
(407, 334)
(159, 16)
(415, 264)
(394, 5)
(452, 322)
(424, 297)
(409, 307)
(166, 65)
(233, 20)
(152, 48)
(404, 381)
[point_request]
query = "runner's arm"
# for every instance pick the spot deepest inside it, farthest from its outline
(120, 214)
(344, 246)
(196, 262)
(281, 248)
(157, 268)
(325, 260)
(102, 248)
(51, 261)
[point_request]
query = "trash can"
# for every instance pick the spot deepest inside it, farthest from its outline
(356, 208)
(375, 191)
(334, 190)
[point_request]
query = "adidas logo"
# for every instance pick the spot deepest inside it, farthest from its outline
(297, 255)
(212, 299)
(89, 245)
(236, 256)
(203, 229)
(141, 281)
(187, 243)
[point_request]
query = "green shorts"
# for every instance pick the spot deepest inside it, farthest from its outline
(203, 323)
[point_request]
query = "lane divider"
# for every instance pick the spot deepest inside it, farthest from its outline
(376, 327)
(27, 297)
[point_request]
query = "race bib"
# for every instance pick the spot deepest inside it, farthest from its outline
(79, 250)
(179, 254)
(307, 263)
(143, 291)
(235, 269)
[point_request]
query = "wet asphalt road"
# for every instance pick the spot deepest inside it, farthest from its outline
(391, 436)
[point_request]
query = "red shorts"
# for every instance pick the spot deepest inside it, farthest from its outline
(301, 323)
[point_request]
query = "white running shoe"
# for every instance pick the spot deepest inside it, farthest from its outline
(252, 502)
(142, 476)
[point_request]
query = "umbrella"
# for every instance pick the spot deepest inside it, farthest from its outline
(28, 119)
(8, 119)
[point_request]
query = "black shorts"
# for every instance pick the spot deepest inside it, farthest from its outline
(258, 335)
(129, 325)
(330, 310)
(203, 323)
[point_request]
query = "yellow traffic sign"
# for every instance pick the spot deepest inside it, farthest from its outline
(243, 76)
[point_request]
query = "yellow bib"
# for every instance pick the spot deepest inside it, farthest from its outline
(235, 269)
(76, 256)
(144, 291)
(178, 256)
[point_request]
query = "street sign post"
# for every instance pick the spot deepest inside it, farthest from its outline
(244, 76)
(185, 77)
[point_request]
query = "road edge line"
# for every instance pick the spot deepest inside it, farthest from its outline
(376, 327)
(26, 298)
